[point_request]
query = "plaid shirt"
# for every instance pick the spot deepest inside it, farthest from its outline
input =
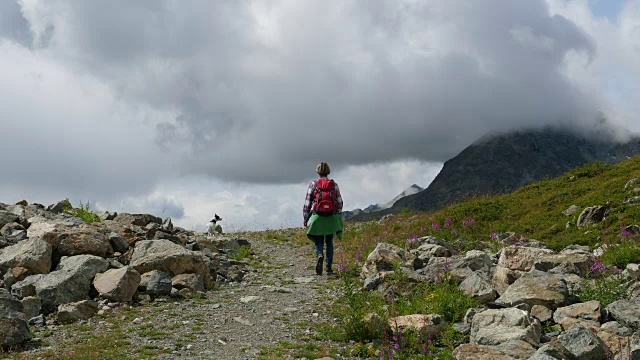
(308, 201)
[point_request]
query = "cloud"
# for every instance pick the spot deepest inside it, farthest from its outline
(263, 91)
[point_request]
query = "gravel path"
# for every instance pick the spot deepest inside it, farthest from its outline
(279, 301)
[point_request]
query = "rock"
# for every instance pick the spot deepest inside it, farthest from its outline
(587, 314)
(125, 219)
(632, 201)
(626, 312)
(520, 257)
(117, 284)
(617, 328)
(117, 243)
(435, 241)
(385, 257)
(479, 352)
(536, 288)
(541, 313)
(166, 256)
(518, 349)
(81, 310)
(371, 282)
(630, 184)
(457, 268)
(156, 283)
(374, 323)
(497, 326)
(578, 263)
(478, 288)
(13, 233)
(20, 273)
(429, 325)
(468, 316)
(553, 351)
(33, 254)
(192, 282)
(503, 277)
(7, 217)
(591, 215)
(233, 244)
(576, 249)
(616, 346)
(31, 306)
(167, 225)
(571, 210)
(426, 251)
(13, 325)
(71, 282)
(59, 207)
(202, 243)
(583, 343)
(81, 240)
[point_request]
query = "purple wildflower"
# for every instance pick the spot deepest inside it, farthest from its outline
(436, 227)
(468, 222)
(358, 255)
(493, 236)
(447, 222)
(454, 232)
(596, 268)
(423, 229)
(342, 268)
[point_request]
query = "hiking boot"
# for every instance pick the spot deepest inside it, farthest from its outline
(329, 270)
(319, 264)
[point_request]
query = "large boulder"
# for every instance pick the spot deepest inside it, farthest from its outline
(163, 255)
(591, 215)
(32, 254)
(192, 282)
(479, 352)
(71, 282)
(117, 284)
(583, 343)
(497, 326)
(125, 219)
(7, 217)
(13, 327)
(536, 288)
(80, 240)
(626, 312)
(575, 263)
(13, 233)
(385, 257)
(520, 257)
(80, 310)
(552, 351)
(478, 287)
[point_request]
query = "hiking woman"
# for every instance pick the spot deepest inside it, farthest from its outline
(321, 212)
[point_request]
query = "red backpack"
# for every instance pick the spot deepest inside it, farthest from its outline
(325, 202)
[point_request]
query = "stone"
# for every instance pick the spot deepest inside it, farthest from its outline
(167, 225)
(7, 217)
(630, 184)
(117, 284)
(33, 254)
(13, 233)
(20, 273)
(571, 210)
(520, 257)
(479, 352)
(81, 240)
(536, 288)
(192, 282)
(617, 328)
(163, 255)
(518, 349)
(468, 316)
(125, 219)
(31, 306)
(117, 243)
(374, 323)
(632, 201)
(587, 314)
(626, 312)
(479, 288)
(426, 251)
(497, 326)
(427, 324)
(60, 206)
(435, 241)
(80, 310)
(633, 271)
(503, 277)
(69, 283)
(578, 263)
(385, 257)
(615, 345)
(583, 343)
(156, 283)
(552, 351)
(371, 282)
(576, 249)
(13, 331)
(233, 244)
(591, 215)
(541, 313)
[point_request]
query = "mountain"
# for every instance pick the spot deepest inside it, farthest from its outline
(411, 190)
(502, 163)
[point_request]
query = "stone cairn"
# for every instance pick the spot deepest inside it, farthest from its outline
(55, 268)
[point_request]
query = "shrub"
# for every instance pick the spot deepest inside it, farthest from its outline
(83, 212)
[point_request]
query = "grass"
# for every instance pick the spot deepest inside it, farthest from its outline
(82, 212)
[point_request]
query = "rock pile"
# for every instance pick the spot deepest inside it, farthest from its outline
(56, 268)
(520, 287)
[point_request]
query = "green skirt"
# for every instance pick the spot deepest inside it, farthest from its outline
(325, 225)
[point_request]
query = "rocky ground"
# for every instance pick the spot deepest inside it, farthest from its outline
(267, 315)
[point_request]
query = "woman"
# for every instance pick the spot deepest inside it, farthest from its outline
(321, 212)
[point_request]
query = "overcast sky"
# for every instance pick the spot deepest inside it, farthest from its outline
(186, 108)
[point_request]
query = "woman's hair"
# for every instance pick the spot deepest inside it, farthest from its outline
(323, 169)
